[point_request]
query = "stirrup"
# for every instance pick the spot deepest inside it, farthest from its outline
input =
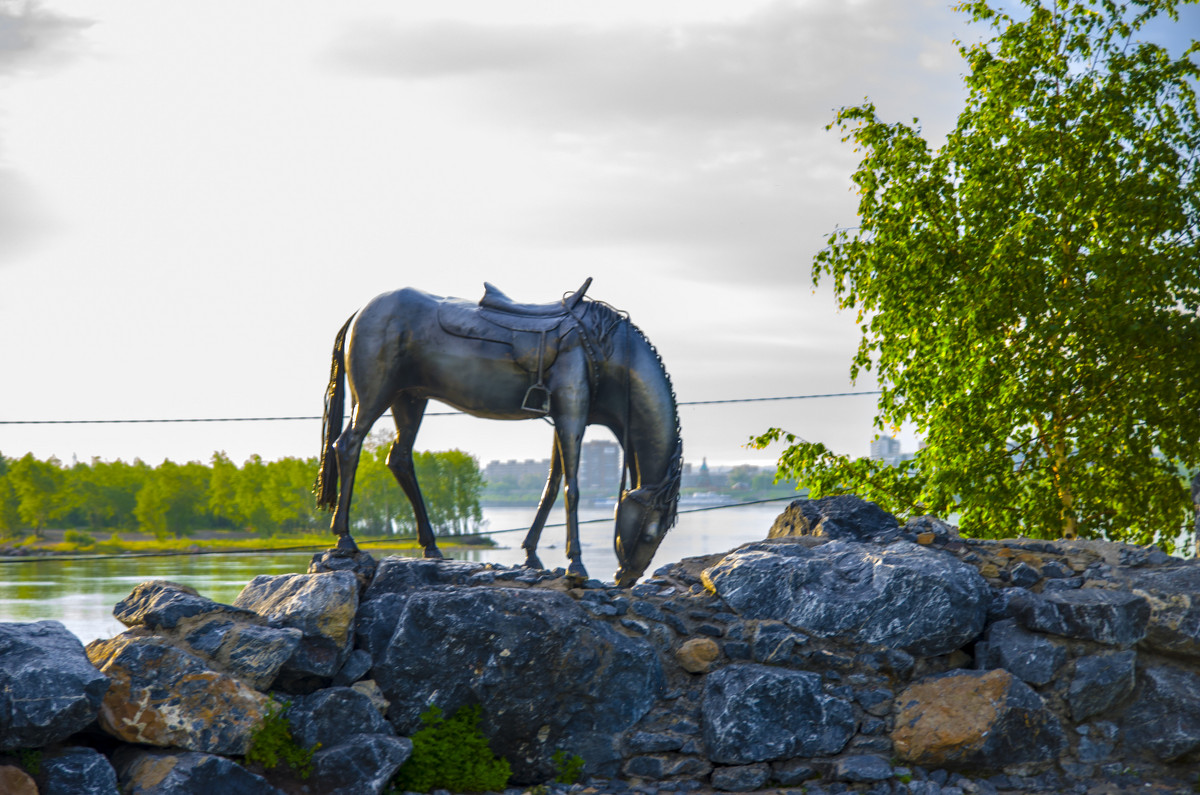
(537, 399)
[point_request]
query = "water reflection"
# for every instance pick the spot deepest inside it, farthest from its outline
(81, 593)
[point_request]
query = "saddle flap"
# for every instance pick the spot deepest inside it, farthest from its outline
(462, 319)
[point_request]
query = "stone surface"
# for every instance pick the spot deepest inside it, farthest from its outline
(359, 563)
(862, 767)
(1174, 598)
(48, 688)
(758, 713)
(75, 771)
(164, 696)
(362, 765)
(1115, 618)
(921, 600)
(229, 639)
(1164, 720)
(1101, 681)
(697, 655)
(844, 517)
(1031, 657)
(741, 778)
(147, 772)
(15, 781)
(331, 715)
(322, 606)
(547, 674)
(974, 719)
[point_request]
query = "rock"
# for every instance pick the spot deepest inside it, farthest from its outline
(331, 715)
(792, 771)
(974, 719)
(921, 600)
(370, 689)
(697, 654)
(229, 639)
(357, 666)
(15, 781)
(161, 695)
(758, 713)
(1031, 657)
(843, 517)
(1101, 681)
(659, 767)
(321, 606)
(774, 642)
(162, 604)
(145, 772)
(359, 563)
(48, 688)
(75, 771)
(1165, 717)
(1174, 598)
(1115, 618)
(941, 531)
(360, 766)
(742, 778)
(547, 675)
(864, 767)
(397, 575)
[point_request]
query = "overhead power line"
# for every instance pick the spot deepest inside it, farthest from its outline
(313, 418)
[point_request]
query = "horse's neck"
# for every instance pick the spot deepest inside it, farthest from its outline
(652, 433)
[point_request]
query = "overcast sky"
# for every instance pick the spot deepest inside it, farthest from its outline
(194, 197)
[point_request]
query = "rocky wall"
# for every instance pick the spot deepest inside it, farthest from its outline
(842, 653)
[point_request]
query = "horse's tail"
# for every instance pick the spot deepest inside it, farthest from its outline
(326, 487)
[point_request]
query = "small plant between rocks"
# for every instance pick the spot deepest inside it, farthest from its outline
(451, 753)
(568, 767)
(273, 743)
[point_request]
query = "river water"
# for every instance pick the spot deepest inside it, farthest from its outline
(81, 593)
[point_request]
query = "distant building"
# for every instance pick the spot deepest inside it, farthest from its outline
(886, 449)
(600, 467)
(497, 471)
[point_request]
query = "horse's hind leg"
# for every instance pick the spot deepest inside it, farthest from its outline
(549, 494)
(348, 447)
(408, 413)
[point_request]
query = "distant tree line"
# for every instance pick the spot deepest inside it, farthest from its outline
(265, 497)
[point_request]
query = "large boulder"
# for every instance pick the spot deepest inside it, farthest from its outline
(149, 772)
(331, 715)
(1030, 656)
(75, 771)
(974, 719)
(229, 639)
(845, 517)
(1101, 681)
(322, 606)
(1115, 618)
(904, 596)
(362, 765)
(1174, 597)
(548, 676)
(759, 713)
(48, 688)
(1164, 720)
(165, 696)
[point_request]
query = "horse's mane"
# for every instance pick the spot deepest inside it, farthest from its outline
(603, 320)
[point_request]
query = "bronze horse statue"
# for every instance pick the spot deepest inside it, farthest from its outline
(575, 361)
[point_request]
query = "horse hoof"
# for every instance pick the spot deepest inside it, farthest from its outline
(346, 544)
(434, 552)
(532, 562)
(576, 573)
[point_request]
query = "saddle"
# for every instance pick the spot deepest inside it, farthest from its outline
(534, 332)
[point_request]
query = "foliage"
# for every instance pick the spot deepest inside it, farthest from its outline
(272, 743)
(568, 767)
(1028, 293)
(451, 753)
(79, 539)
(31, 760)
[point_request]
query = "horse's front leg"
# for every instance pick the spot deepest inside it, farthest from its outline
(407, 412)
(549, 495)
(569, 437)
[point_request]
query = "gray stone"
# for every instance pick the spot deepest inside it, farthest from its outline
(1023, 575)
(792, 771)
(921, 600)
(1030, 657)
(546, 674)
(362, 765)
(360, 563)
(144, 772)
(75, 771)
(757, 713)
(332, 714)
(1100, 682)
(844, 517)
(322, 606)
(397, 575)
(162, 604)
(773, 642)
(1174, 597)
(1115, 618)
(865, 767)
(1165, 717)
(356, 667)
(651, 742)
(48, 688)
(742, 778)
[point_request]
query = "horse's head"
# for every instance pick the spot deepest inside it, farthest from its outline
(642, 521)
